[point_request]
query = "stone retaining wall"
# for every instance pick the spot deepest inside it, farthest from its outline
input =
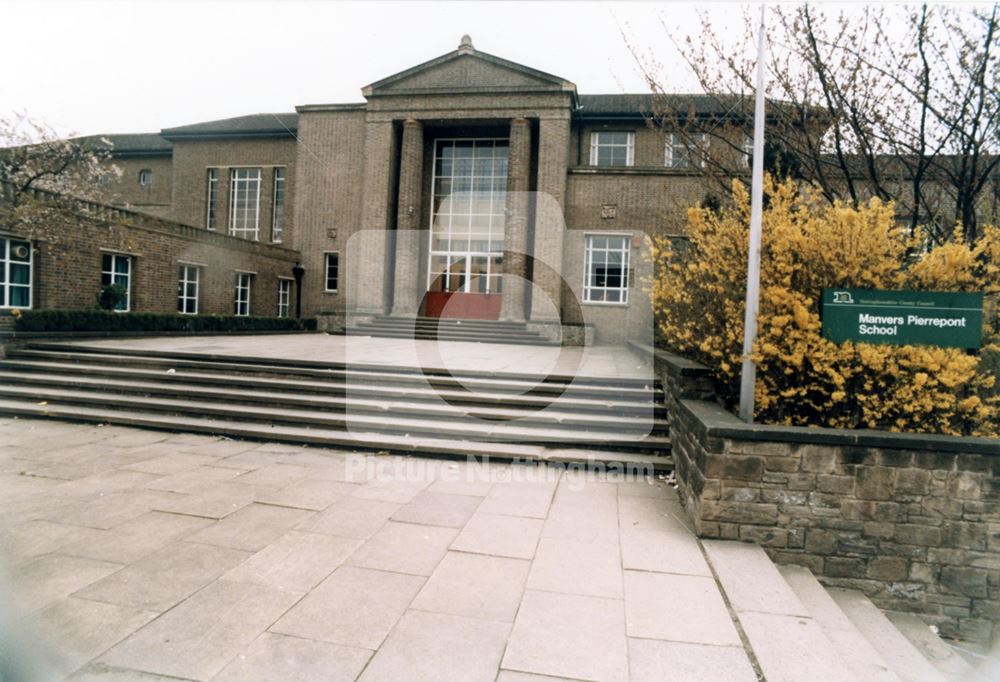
(912, 520)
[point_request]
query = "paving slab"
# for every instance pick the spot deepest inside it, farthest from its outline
(274, 657)
(574, 567)
(275, 475)
(498, 535)
(476, 586)
(654, 661)
(297, 561)
(433, 646)
(438, 509)
(679, 608)
(34, 538)
(520, 498)
(398, 490)
(218, 502)
(351, 517)
(99, 672)
(112, 509)
(251, 528)
(130, 541)
(404, 548)
(173, 463)
(583, 523)
(48, 578)
(667, 550)
(160, 580)
(567, 635)
(354, 607)
(78, 630)
(194, 480)
(313, 493)
(200, 636)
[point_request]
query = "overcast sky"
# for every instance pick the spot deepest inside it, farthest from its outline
(107, 67)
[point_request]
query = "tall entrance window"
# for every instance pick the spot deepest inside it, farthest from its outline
(15, 273)
(187, 289)
(467, 215)
(244, 203)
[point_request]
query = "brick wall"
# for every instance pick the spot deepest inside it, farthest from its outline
(193, 158)
(911, 520)
(68, 249)
(124, 190)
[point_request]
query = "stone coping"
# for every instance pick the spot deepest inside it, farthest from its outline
(675, 364)
(715, 421)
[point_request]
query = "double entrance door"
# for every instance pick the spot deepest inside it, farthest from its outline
(465, 273)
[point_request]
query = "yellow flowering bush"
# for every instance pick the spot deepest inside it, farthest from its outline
(802, 378)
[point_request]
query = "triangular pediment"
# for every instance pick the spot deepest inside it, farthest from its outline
(468, 70)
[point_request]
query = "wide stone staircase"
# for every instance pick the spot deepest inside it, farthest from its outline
(798, 630)
(566, 419)
(446, 329)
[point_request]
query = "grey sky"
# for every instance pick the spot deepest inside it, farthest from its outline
(105, 67)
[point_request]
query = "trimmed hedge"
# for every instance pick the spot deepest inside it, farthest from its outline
(104, 321)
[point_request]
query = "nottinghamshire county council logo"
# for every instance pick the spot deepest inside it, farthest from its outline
(842, 297)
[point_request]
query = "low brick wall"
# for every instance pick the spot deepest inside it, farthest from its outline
(912, 520)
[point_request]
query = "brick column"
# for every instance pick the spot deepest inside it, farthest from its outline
(366, 253)
(406, 291)
(516, 227)
(550, 222)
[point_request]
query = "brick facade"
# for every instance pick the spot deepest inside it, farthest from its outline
(358, 182)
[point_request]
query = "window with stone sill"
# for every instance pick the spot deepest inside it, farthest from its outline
(685, 150)
(608, 148)
(117, 269)
(606, 268)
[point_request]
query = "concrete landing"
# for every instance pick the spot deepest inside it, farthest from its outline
(592, 361)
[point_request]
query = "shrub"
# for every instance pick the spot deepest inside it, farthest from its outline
(110, 296)
(802, 378)
(103, 321)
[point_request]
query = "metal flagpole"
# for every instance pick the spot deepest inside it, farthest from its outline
(748, 374)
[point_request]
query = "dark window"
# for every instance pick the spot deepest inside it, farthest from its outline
(332, 271)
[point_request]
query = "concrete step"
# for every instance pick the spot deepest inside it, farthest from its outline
(554, 382)
(789, 645)
(861, 657)
(451, 321)
(473, 430)
(466, 327)
(431, 447)
(942, 656)
(237, 393)
(905, 660)
(154, 372)
(468, 337)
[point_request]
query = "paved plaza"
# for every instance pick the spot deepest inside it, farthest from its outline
(144, 555)
(457, 356)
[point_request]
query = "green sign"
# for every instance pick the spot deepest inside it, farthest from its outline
(930, 318)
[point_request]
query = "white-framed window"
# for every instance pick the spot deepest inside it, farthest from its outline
(244, 282)
(685, 150)
(284, 296)
(278, 215)
(332, 271)
(145, 177)
(609, 148)
(116, 268)
(244, 203)
(188, 277)
(211, 197)
(15, 273)
(469, 188)
(606, 270)
(747, 149)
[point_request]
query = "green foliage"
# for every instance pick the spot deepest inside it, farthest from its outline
(103, 321)
(110, 296)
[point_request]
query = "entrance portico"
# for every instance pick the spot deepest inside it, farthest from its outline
(461, 166)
